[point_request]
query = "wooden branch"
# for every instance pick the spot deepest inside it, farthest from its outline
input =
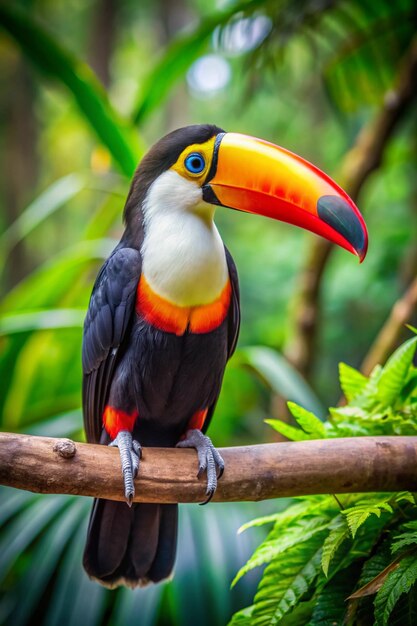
(351, 465)
(364, 158)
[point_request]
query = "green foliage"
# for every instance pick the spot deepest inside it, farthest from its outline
(339, 532)
(329, 603)
(398, 582)
(352, 382)
(356, 48)
(55, 62)
(394, 374)
(358, 514)
(180, 54)
(317, 555)
(407, 538)
(280, 376)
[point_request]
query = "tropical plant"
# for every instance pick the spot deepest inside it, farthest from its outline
(348, 559)
(41, 537)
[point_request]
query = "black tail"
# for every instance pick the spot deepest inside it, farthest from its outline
(130, 546)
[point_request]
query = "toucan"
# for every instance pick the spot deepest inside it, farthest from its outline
(164, 316)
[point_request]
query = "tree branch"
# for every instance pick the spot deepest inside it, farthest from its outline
(350, 465)
(393, 329)
(363, 159)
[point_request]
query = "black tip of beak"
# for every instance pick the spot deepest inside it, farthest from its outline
(340, 215)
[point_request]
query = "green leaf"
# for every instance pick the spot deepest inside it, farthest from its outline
(26, 528)
(180, 54)
(307, 506)
(280, 376)
(41, 320)
(278, 542)
(352, 382)
(54, 279)
(45, 557)
(376, 563)
(358, 514)
(54, 197)
(399, 581)
(338, 534)
(394, 374)
(405, 539)
(330, 603)
(308, 421)
(243, 617)
(287, 580)
(54, 61)
(288, 431)
(300, 614)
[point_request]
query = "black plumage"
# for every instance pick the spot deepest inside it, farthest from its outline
(164, 377)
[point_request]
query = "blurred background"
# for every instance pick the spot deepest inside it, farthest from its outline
(86, 86)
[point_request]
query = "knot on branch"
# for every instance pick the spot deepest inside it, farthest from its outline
(65, 448)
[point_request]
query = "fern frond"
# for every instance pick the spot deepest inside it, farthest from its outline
(338, 534)
(308, 421)
(358, 514)
(243, 617)
(394, 374)
(352, 381)
(288, 431)
(286, 517)
(286, 580)
(329, 604)
(299, 533)
(405, 539)
(398, 582)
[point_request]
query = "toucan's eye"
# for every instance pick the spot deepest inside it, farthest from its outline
(195, 163)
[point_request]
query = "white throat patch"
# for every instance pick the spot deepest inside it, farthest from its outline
(183, 255)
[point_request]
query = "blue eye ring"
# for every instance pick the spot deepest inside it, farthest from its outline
(195, 163)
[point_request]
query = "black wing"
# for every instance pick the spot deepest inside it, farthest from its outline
(233, 322)
(234, 311)
(109, 316)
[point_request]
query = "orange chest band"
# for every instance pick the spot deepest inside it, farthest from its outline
(177, 319)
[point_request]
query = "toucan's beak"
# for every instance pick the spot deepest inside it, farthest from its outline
(253, 175)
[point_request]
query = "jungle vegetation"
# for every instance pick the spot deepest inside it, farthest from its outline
(86, 87)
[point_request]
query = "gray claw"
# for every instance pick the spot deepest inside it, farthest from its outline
(130, 454)
(209, 459)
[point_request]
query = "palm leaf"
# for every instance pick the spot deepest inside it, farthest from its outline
(48, 56)
(45, 559)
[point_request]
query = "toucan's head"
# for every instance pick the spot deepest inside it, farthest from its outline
(198, 167)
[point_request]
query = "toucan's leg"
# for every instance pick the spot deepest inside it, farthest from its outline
(119, 425)
(208, 458)
(130, 453)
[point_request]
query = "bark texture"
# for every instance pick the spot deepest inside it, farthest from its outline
(350, 465)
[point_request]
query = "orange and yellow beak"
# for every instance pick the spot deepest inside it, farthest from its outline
(255, 176)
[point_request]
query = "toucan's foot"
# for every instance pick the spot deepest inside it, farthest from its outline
(130, 453)
(208, 459)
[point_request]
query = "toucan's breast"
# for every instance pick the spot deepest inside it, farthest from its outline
(183, 256)
(171, 318)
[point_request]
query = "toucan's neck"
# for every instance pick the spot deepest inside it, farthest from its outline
(183, 257)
